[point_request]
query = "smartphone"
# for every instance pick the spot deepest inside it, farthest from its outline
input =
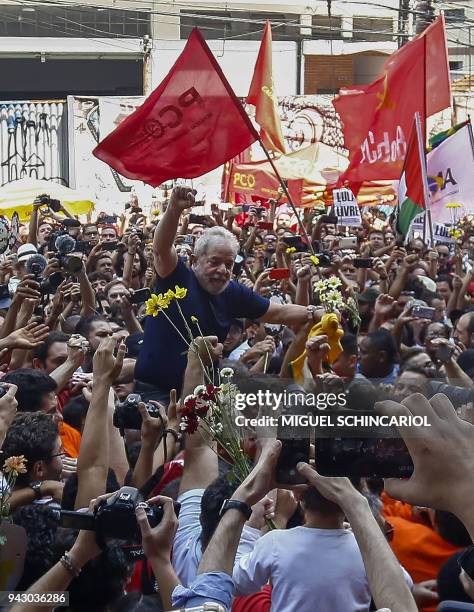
(109, 219)
(189, 239)
(279, 274)
(361, 262)
(265, 225)
(109, 246)
(292, 452)
(238, 265)
(140, 296)
(444, 353)
(236, 210)
(348, 242)
(199, 219)
(423, 312)
(83, 246)
(329, 219)
(363, 457)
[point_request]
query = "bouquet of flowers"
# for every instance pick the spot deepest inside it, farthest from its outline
(332, 300)
(212, 405)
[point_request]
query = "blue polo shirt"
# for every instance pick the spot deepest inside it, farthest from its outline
(162, 360)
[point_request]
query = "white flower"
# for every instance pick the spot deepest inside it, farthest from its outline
(334, 282)
(333, 296)
(200, 389)
(320, 286)
(226, 372)
(217, 429)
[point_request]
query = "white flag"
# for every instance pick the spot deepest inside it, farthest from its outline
(450, 176)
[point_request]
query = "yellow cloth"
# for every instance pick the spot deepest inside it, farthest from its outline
(328, 326)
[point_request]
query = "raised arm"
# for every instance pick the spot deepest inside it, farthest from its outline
(93, 461)
(164, 253)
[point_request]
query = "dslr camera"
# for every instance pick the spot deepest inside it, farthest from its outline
(115, 517)
(63, 244)
(127, 415)
(54, 205)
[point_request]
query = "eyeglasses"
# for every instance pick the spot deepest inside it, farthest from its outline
(60, 454)
(388, 531)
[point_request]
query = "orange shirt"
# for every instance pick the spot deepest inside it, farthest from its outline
(70, 438)
(420, 550)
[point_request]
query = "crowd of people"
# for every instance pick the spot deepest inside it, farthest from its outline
(77, 346)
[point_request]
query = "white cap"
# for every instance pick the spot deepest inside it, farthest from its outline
(26, 251)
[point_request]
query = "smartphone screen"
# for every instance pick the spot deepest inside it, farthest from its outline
(140, 296)
(292, 452)
(360, 262)
(279, 274)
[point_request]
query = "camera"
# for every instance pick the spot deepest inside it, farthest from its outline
(324, 259)
(54, 205)
(115, 517)
(127, 415)
(63, 244)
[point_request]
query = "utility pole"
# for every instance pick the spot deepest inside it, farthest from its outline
(424, 15)
(403, 16)
(146, 47)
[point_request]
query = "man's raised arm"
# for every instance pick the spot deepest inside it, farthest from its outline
(164, 253)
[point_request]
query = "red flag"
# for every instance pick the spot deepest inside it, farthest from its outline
(377, 118)
(191, 124)
(262, 96)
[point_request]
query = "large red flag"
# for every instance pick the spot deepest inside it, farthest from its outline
(262, 96)
(377, 118)
(191, 124)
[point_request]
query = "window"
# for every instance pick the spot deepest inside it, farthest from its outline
(325, 28)
(456, 65)
(372, 28)
(454, 15)
(224, 24)
(72, 22)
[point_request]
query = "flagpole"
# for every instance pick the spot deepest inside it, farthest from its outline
(424, 174)
(287, 194)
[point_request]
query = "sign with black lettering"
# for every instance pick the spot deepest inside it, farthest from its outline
(442, 233)
(346, 208)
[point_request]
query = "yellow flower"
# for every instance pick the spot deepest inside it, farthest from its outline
(455, 233)
(453, 205)
(169, 295)
(152, 306)
(15, 465)
(164, 300)
(314, 260)
(180, 292)
(291, 250)
(194, 319)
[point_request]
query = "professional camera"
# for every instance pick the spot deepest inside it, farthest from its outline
(324, 259)
(127, 415)
(64, 244)
(36, 265)
(54, 205)
(115, 517)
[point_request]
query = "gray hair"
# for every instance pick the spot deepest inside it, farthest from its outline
(212, 235)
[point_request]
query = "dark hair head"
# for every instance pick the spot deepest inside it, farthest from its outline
(84, 325)
(449, 585)
(211, 503)
(41, 352)
(349, 344)
(95, 276)
(138, 602)
(315, 502)
(451, 529)
(40, 523)
(68, 499)
(382, 340)
(444, 278)
(74, 411)
(101, 581)
(32, 434)
(32, 385)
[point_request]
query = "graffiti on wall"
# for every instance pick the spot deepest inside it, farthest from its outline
(33, 141)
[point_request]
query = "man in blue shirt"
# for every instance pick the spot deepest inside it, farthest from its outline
(212, 298)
